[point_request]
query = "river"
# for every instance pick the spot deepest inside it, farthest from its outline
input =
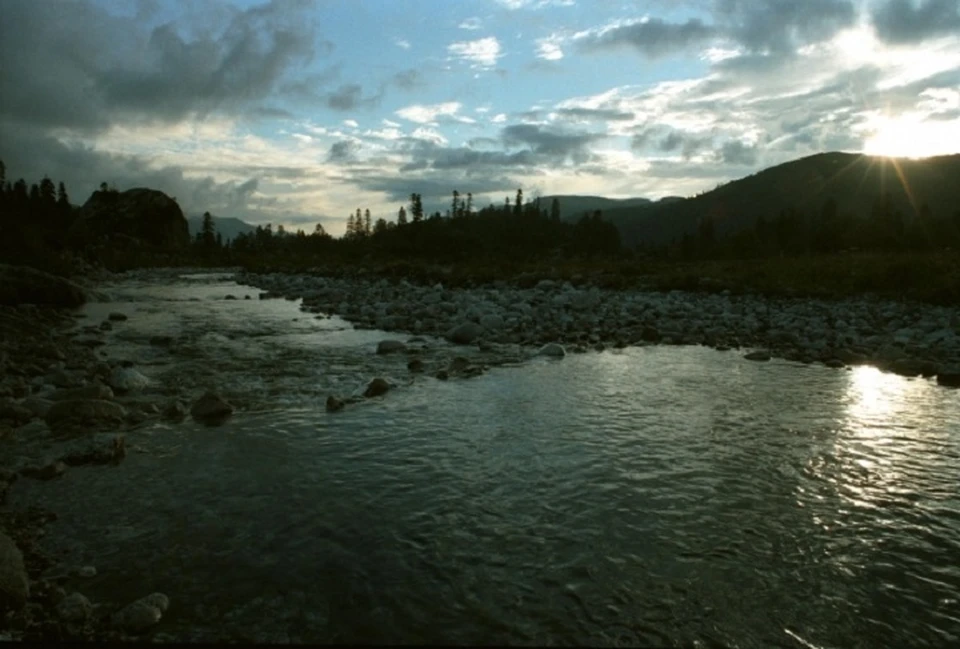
(655, 496)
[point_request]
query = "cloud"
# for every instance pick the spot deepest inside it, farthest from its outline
(349, 97)
(429, 114)
(402, 43)
(513, 5)
(409, 79)
(482, 52)
(555, 143)
(652, 37)
(735, 152)
(342, 151)
(782, 25)
(471, 24)
(595, 114)
(549, 49)
(901, 21)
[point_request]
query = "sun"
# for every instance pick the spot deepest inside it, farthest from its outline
(910, 136)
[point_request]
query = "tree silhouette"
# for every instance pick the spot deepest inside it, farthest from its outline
(402, 216)
(555, 209)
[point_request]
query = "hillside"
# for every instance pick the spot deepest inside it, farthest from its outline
(854, 181)
(573, 207)
(228, 226)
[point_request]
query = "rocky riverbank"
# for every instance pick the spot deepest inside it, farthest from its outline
(61, 406)
(908, 339)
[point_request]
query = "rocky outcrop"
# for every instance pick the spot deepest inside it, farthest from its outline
(14, 583)
(137, 217)
(141, 614)
(25, 285)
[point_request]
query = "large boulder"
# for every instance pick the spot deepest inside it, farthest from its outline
(25, 285)
(465, 334)
(211, 408)
(144, 215)
(14, 583)
(71, 413)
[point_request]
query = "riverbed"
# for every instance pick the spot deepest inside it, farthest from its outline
(651, 495)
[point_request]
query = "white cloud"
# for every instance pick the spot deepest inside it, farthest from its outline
(549, 48)
(429, 134)
(402, 43)
(428, 114)
(483, 52)
(390, 124)
(513, 5)
(470, 23)
(499, 118)
(350, 123)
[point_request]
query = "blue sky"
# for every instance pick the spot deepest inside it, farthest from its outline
(297, 111)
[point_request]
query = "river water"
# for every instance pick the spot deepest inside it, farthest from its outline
(656, 496)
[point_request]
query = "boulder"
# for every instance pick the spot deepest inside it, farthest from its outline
(376, 388)
(141, 614)
(759, 355)
(464, 334)
(127, 379)
(25, 285)
(14, 582)
(175, 411)
(211, 407)
(111, 453)
(415, 365)
(334, 404)
(84, 412)
(92, 391)
(74, 608)
(46, 472)
(136, 216)
(116, 316)
(492, 322)
(554, 350)
(913, 367)
(949, 378)
(391, 347)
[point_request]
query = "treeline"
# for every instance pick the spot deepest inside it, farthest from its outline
(829, 230)
(515, 229)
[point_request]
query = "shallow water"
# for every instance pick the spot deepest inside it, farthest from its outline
(659, 496)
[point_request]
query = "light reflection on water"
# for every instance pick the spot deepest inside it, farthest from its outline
(649, 496)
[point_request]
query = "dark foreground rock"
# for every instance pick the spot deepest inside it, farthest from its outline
(376, 388)
(211, 408)
(14, 582)
(334, 404)
(71, 414)
(25, 285)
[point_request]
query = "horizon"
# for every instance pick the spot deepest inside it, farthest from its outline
(298, 112)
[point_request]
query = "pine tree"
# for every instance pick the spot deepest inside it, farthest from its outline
(63, 201)
(319, 231)
(469, 207)
(555, 209)
(402, 216)
(208, 232)
(518, 206)
(455, 206)
(35, 194)
(367, 229)
(380, 226)
(417, 208)
(351, 226)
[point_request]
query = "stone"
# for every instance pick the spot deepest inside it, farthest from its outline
(161, 341)
(492, 322)
(334, 404)
(835, 363)
(14, 582)
(74, 608)
(391, 347)
(86, 572)
(376, 388)
(211, 407)
(116, 316)
(127, 379)
(25, 285)
(913, 367)
(553, 350)
(111, 453)
(759, 355)
(443, 375)
(141, 614)
(84, 412)
(15, 413)
(464, 334)
(92, 391)
(949, 378)
(175, 411)
(46, 472)
(415, 365)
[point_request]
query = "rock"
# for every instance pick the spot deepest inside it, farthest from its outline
(84, 412)
(46, 472)
(111, 453)
(15, 413)
(92, 391)
(86, 572)
(25, 285)
(141, 614)
(554, 350)
(443, 375)
(14, 582)
(74, 608)
(127, 379)
(391, 347)
(211, 407)
(913, 367)
(334, 404)
(131, 218)
(835, 363)
(464, 334)
(492, 322)
(949, 378)
(161, 341)
(116, 316)
(415, 365)
(175, 411)
(759, 355)
(376, 388)
(228, 296)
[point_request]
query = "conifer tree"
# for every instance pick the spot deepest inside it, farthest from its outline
(402, 216)
(366, 223)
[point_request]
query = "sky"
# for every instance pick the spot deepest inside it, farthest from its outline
(298, 112)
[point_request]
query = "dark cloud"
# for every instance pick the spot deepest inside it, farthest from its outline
(409, 79)
(655, 37)
(903, 21)
(735, 152)
(65, 76)
(342, 151)
(667, 140)
(350, 97)
(599, 114)
(549, 142)
(436, 187)
(783, 25)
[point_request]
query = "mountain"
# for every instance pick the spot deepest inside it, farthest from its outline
(854, 181)
(228, 226)
(573, 207)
